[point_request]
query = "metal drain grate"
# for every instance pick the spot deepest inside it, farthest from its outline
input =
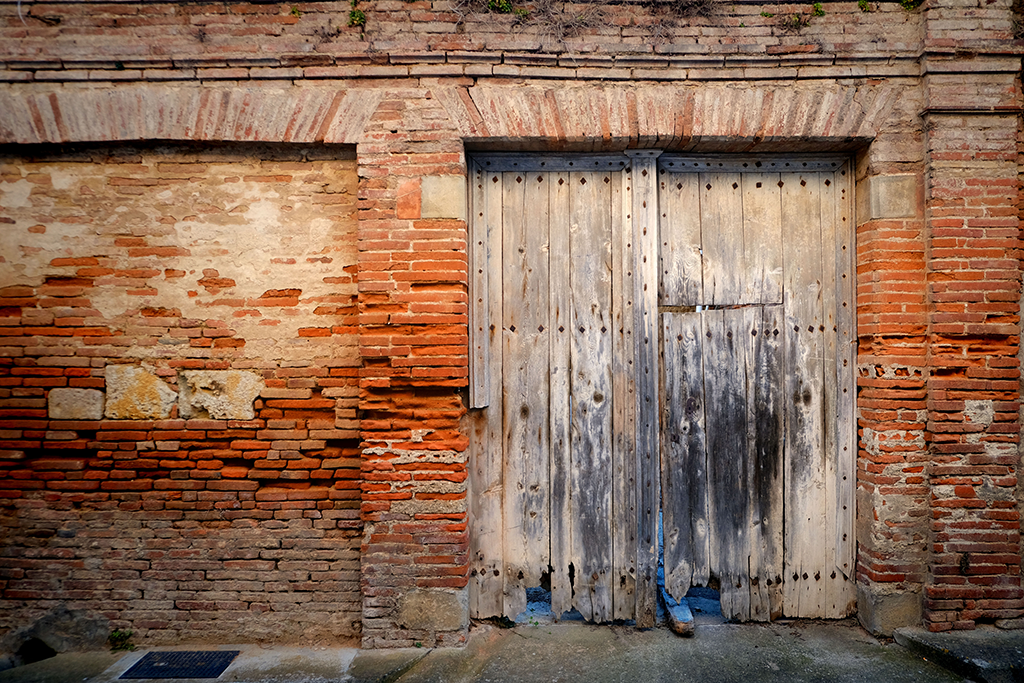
(189, 664)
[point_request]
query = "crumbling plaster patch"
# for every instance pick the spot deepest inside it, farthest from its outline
(134, 393)
(218, 394)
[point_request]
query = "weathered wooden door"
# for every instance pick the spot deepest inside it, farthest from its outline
(753, 308)
(559, 490)
(756, 302)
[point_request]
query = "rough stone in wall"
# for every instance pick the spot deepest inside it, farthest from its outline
(66, 403)
(134, 393)
(218, 394)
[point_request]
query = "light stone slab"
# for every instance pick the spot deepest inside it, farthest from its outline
(66, 403)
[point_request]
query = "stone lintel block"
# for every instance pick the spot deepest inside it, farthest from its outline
(134, 393)
(74, 404)
(887, 196)
(218, 394)
(434, 610)
(443, 196)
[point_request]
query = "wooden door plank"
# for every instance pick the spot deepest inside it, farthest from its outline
(721, 225)
(486, 470)
(765, 438)
(645, 339)
(560, 329)
(762, 238)
(591, 390)
(525, 420)
(479, 266)
(726, 369)
(846, 426)
(836, 584)
(624, 504)
(681, 273)
(805, 540)
(684, 455)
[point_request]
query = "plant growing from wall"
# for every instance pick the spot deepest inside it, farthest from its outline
(120, 641)
(356, 16)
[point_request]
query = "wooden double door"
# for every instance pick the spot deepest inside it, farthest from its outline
(661, 338)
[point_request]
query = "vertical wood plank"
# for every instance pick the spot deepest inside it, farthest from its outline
(762, 238)
(846, 425)
(560, 329)
(806, 501)
(721, 225)
(684, 455)
(765, 451)
(525, 421)
(591, 390)
(479, 336)
(624, 523)
(681, 273)
(837, 587)
(486, 470)
(726, 370)
(643, 177)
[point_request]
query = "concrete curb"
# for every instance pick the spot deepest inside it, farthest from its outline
(986, 654)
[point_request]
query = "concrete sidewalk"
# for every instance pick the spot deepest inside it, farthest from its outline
(791, 651)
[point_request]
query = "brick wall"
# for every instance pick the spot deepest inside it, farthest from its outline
(117, 256)
(973, 399)
(58, 40)
(172, 259)
(413, 316)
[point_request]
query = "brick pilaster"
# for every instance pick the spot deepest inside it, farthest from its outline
(414, 344)
(973, 382)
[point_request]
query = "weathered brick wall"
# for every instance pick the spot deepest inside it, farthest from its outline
(59, 40)
(413, 314)
(892, 531)
(925, 99)
(237, 259)
(974, 285)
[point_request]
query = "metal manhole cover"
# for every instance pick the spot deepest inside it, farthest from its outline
(189, 664)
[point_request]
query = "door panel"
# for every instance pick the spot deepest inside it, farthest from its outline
(769, 454)
(564, 408)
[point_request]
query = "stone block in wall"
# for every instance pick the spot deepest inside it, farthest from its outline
(218, 394)
(434, 610)
(134, 393)
(887, 196)
(74, 404)
(443, 196)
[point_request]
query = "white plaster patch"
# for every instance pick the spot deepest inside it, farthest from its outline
(15, 195)
(218, 394)
(979, 412)
(62, 180)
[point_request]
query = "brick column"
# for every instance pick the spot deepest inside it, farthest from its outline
(414, 344)
(973, 389)
(892, 499)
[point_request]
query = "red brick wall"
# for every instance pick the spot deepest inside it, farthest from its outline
(927, 93)
(413, 336)
(174, 258)
(973, 383)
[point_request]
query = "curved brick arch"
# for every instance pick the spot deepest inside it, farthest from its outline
(148, 112)
(671, 116)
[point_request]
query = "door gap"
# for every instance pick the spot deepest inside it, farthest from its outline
(538, 608)
(705, 602)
